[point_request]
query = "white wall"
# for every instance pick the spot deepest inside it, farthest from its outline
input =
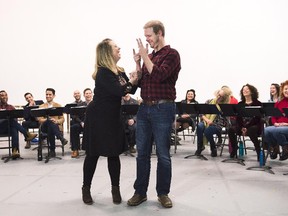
(51, 43)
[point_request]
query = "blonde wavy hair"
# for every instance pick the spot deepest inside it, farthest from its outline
(104, 58)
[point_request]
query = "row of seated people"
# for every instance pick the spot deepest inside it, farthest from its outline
(52, 125)
(208, 126)
(274, 134)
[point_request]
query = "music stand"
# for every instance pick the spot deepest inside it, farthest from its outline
(257, 111)
(229, 110)
(10, 114)
(46, 112)
(199, 109)
(129, 109)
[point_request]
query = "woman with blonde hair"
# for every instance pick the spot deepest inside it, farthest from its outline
(104, 133)
(212, 124)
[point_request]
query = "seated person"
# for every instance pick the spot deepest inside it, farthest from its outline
(277, 133)
(185, 120)
(212, 124)
(54, 124)
(77, 121)
(30, 121)
(15, 127)
(130, 123)
(246, 126)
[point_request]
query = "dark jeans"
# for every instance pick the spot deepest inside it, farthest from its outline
(131, 134)
(75, 130)
(209, 134)
(89, 168)
(154, 120)
(52, 130)
(14, 128)
(30, 124)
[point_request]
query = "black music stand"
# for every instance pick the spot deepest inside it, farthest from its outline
(229, 110)
(257, 111)
(199, 109)
(129, 109)
(10, 114)
(46, 112)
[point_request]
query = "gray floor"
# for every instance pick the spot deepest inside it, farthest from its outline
(201, 188)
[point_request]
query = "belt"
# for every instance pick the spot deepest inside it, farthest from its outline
(155, 102)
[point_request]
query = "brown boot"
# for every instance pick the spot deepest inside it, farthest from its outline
(284, 155)
(28, 145)
(86, 195)
(30, 136)
(116, 196)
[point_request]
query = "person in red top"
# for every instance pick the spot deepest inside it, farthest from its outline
(277, 133)
(15, 127)
(156, 113)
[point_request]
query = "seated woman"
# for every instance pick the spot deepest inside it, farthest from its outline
(185, 120)
(246, 126)
(277, 133)
(212, 124)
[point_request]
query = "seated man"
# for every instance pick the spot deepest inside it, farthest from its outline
(54, 124)
(77, 121)
(15, 127)
(130, 123)
(30, 121)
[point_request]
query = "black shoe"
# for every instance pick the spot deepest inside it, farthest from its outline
(52, 153)
(233, 154)
(198, 151)
(284, 156)
(86, 195)
(63, 141)
(116, 196)
(214, 153)
(273, 155)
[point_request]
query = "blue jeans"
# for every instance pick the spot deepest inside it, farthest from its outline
(208, 132)
(154, 120)
(276, 135)
(15, 127)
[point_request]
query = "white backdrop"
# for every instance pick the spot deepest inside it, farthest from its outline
(51, 43)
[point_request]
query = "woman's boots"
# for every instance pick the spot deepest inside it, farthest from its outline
(284, 154)
(86, 195)
(87, 199)
(116, 196)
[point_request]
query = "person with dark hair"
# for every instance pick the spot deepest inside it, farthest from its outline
(274, 92)
(104, 133)
(247, 126)
(277, 133)
(29, 120)
(52, 125)
(156, 113)
(186, 120)
(15, 127)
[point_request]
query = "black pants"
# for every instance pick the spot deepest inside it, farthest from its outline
(252, 132)
(89, 168)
